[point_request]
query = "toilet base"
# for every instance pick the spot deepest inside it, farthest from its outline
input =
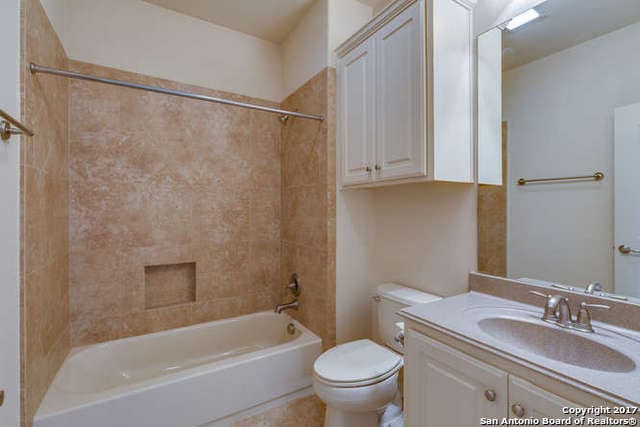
(337, 418)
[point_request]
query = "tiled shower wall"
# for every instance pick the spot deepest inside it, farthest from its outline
(308, 203)
(189, 187)
(44, 212)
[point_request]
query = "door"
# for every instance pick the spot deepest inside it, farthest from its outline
(356, 127)
(627, 200)
(444, 387)
(529, 401)
(400, 110)
(9, 218)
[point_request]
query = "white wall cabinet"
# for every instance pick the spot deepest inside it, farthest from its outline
(445, 387)
(405, 111)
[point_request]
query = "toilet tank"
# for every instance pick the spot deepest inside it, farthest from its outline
(389, 299)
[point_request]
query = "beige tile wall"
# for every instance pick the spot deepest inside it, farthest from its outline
(308, 203)
(158, 180)
(492, 221)
(44, 212)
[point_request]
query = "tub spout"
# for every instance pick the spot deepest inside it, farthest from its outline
(292, 305)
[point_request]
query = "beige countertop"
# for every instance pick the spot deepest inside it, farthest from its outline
(460, 317)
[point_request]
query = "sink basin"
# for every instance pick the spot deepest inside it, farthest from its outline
(557, 344)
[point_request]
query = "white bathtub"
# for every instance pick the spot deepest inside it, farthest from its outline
(184, 377)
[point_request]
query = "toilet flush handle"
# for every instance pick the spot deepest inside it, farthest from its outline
(399, 338)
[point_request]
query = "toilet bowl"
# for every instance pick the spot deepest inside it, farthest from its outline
(356, 380)
(359, 379)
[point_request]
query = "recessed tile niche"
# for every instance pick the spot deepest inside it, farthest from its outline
(170, 284)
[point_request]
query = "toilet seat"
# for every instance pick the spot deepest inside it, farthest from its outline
(356, 364)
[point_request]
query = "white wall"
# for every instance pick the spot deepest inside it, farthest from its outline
(10, 217)
(304, 51)
(136, 36)
(560, 111)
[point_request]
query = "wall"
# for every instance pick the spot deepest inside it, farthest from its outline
(10, 217)
(136, 36)
(199, 182)
(308, 204)
(492, 220)
(573, 93)
(44, 210)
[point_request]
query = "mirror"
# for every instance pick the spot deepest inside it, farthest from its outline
(559, 146)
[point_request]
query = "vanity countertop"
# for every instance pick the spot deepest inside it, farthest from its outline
(461, 317)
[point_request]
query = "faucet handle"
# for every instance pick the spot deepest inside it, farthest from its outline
(294, 286)
(550, 313)
(540, 294)
(583, 323)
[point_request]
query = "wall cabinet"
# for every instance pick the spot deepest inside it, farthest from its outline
(445, 387)
(405, 97)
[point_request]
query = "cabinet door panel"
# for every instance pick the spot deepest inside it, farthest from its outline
(400, 111)
(536, 402)
(445, 387)
(356, 127)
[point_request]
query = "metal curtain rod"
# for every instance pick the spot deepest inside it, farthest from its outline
(284, 114)
(597, 176)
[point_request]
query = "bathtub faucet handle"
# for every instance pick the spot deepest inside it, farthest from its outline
(294, 286)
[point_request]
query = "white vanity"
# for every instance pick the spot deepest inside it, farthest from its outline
(476, 356)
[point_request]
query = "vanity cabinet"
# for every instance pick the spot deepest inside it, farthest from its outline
(445, 387)
(405, 97)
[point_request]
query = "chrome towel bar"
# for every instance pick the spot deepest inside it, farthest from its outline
(628, 250)
(597, 176)
(10, 126)
(284, 114)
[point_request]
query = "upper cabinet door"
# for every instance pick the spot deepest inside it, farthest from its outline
(356, 120)
(400, 97)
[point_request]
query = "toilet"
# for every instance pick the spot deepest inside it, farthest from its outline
(359, 379)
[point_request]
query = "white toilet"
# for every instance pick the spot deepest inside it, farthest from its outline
(358, 379)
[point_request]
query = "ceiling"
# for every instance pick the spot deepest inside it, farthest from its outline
(270, 20)
(565, 23)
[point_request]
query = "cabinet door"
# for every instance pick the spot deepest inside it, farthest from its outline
(527, 400)
(444, 387)
(400, 97)
(356, 128)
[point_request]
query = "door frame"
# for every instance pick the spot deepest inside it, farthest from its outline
(10, 218)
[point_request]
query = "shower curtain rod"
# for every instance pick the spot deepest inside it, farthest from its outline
(284, 114)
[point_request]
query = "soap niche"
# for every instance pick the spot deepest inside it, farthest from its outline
(169, 284)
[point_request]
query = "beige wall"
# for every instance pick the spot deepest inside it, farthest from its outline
(136, 36)
(159, 180)
(308, 204)
(44, 210)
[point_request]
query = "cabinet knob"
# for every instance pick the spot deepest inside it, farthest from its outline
(368, 169)
(1, 397)
(518, 410)
(490, 395)
(378, 167)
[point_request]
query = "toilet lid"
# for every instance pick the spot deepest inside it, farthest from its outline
(356, 361)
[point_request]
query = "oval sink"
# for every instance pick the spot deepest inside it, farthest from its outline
(557, 344)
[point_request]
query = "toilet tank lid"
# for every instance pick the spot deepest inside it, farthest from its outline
(404, 295)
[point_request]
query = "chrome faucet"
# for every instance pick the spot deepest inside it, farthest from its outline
(557, 310)
(294, 289)
(293, 305)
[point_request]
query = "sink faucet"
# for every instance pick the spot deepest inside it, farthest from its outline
(291, 305)
(558, 311)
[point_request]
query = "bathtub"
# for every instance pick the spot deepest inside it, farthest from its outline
(185, 377)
